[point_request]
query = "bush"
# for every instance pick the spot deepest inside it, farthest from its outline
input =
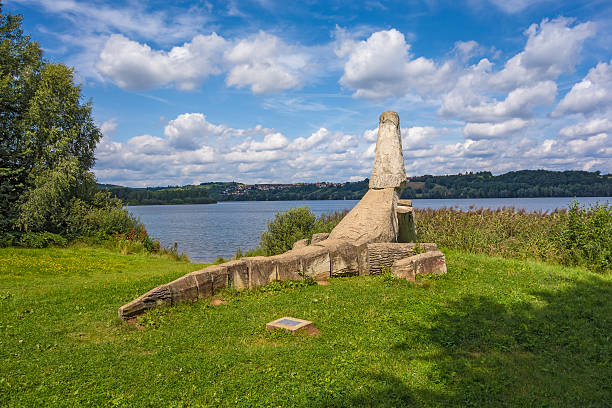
(291, 226)
(286, 228)
(7, 239)
(43, 206)
(41, 240)
(587, 237)
(101, 218)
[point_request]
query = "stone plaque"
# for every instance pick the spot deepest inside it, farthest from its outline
(291, 324)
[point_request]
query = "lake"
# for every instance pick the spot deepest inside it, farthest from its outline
(208, 231)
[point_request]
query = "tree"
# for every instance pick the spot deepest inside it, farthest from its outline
(47, 135)
(20, 66)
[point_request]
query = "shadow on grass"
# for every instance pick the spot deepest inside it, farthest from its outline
(553, 351)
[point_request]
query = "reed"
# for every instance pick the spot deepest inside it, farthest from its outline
(578, 236)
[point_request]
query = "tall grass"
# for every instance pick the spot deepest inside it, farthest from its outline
(578, 236)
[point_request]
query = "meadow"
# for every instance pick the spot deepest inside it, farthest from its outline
(492, 332)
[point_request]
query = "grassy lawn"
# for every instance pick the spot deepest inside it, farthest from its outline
(492, 332)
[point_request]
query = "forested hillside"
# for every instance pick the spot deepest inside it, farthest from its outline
(524, 183)
(160, 195)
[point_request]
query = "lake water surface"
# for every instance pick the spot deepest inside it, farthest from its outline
(207, 231)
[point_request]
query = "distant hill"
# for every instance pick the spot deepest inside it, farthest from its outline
(160, 195)
(523, 183)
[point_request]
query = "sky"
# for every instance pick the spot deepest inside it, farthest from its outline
(268, 91)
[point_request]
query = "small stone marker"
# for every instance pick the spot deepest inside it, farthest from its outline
(291, 324)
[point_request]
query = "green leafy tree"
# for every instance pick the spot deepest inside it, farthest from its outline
(48, 136)
(57, 124)
(20, 67)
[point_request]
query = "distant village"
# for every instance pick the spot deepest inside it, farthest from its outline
(240, 189)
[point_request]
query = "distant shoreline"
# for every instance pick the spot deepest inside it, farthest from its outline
(516, 184)
(167, 203)
(607, 198)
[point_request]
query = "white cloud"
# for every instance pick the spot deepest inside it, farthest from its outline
(109, 127)
(477, 131)
(527, 80)
(192, 148)
(134, 19)
(593, 93)
(252, 167)
(576, 152)
(190, 130)
(310, 142)
(466, 47)
(501, 107)
(341, 143)
(519, 103)
(370, 152)
(85, 27)
(265, 64)
(272, 141)
(265, 155)
(203, 155)
(419, 137)
(515, 6)
(593, 145)
(463, 51)
(195, 150)
(382, 66)
(552, 48)
(370, 135)
(148, 145)
(254, 156)
(132, 65)
(587, 128)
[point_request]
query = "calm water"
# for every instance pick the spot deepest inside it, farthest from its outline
(208, 231)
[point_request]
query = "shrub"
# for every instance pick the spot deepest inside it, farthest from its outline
(286, 228)
(101, 218)
(587, 237)
(41, 240)
(43, 207)
(290, 226)
(7, 239)
(135, 240)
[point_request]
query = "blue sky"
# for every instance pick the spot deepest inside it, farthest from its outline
(280, 91)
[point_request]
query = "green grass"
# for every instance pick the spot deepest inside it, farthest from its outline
(492, 332)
